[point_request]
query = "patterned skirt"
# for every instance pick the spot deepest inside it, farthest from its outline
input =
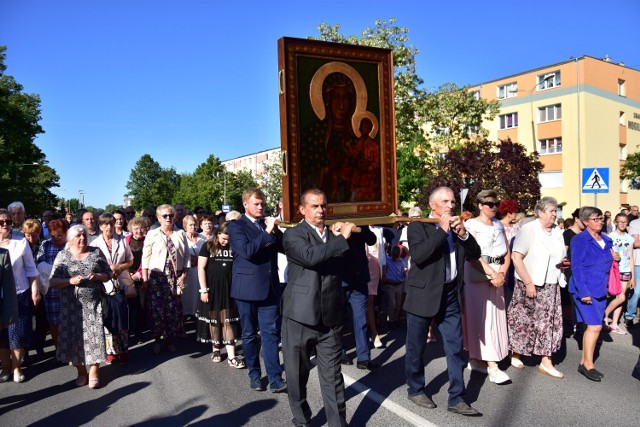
(535, 324)
(18, 334)
(164, 307)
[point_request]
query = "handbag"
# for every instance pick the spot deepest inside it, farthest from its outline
(614, 280)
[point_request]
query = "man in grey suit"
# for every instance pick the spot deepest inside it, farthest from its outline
(312, 309)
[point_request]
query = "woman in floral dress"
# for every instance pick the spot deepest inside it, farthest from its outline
(78, 273)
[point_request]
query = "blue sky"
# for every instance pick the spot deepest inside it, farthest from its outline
(183, 80)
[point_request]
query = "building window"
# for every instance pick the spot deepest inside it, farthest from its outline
(508, 121)
(622, 120)
(550, 146)
(549, 113)
(473, 130)
(508, 91)
(549, 80)
(624, 186)
(476, 94)
(550, 179)
(621, 89)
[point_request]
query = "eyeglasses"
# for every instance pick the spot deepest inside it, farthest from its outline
(167, 216)
(491, 204)
(596, 219)
(4, 222)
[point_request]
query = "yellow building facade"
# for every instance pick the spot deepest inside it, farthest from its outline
(582, 113)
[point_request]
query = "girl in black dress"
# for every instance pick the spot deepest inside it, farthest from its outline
(217, 313)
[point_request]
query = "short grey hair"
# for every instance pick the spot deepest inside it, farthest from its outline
(74, 231)
(163, 207)
(543, 204)
(415, 211)
(586, 212)
(232, 216)
(432, 196)
(15, 205)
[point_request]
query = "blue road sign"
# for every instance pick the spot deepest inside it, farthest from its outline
(226, 208)
(595, 180)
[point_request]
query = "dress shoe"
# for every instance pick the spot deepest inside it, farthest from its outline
(367, 364)
(256, 385)
(422, 400)
(94, 382)
(517, 363)
(629, 324)
(552, 372)
(591, 374)
(463, 409)
(345, 360)
(18, 378)
(279, 386)
(377, 343)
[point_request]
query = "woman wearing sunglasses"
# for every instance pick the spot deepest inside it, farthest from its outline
(165, 260)
(485, 319)
(17, 337)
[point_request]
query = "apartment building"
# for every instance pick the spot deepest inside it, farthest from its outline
(255, 162)
(577, 114)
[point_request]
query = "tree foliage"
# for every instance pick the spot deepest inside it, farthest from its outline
(204, 187)
(631, 170)
(505, 167)
(452, 112)
(24, 173)
(151, 185)
(236, 184)
(271, 181)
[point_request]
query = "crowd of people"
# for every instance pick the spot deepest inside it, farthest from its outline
(493, 286)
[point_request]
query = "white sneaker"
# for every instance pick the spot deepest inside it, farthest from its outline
(472, 366)
(517, 363)
(497, 376)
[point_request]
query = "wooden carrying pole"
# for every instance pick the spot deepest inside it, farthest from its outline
(382, 220)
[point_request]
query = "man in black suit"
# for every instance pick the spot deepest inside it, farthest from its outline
(434, 290)
(312, 309)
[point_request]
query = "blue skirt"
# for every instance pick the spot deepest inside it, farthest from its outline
(591, 314)
(18, 334)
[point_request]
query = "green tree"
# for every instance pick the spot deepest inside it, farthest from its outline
(452, 112)
(151, 185)
(505, 167)
(111, 207)
(271, 181)
(24, 173)
(631, 170)
(204, 187)
(236, 184)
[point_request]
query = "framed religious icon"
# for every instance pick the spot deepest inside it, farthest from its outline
(337, 127)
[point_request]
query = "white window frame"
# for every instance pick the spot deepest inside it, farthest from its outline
(556, 143)
(548, 80)
(503, 122)
(510, 90)
(551, 113)
(622, 119)
(476, 94)
(623, 151)
(621, 88)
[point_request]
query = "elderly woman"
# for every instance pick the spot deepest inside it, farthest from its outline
(485, 318)
(165, 257)
(137, 231)
(116, 250)
(17, 337)
(534, 317)
(48, 252)
(591, 258)
(32, 231)
(190, 297)
(207, 225)
(78, 273)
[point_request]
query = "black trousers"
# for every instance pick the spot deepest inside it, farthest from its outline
(298, 340)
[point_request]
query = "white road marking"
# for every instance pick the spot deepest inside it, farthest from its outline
(386, 403)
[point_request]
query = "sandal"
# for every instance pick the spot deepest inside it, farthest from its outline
(234, 362)
(94, 382)
(216, 357)
(81, 381)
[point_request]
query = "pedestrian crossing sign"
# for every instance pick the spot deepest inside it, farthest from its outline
(595, 180)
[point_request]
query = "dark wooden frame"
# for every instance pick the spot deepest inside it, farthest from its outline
(296, 58)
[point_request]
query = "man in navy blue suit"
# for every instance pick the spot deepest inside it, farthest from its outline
(255, 287)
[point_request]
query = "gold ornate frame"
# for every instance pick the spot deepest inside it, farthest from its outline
(303, 67)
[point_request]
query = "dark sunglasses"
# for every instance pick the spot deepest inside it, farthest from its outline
(167, 216)
(5, 222)
(491, 204)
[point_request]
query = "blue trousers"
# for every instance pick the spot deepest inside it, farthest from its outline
(358, 302)
(261, 316)
(632, 303)
(448, 320)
